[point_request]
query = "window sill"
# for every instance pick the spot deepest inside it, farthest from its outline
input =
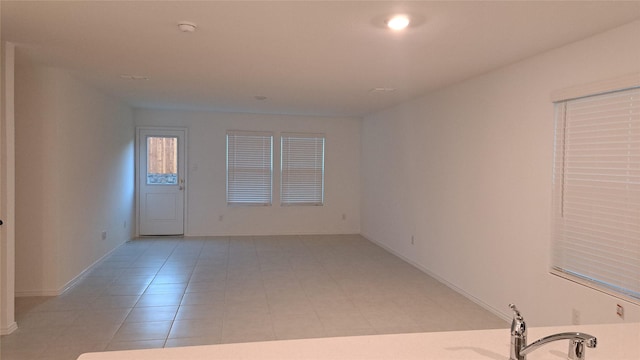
(595, 286)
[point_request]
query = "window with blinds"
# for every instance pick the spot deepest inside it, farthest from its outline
(249, 167)
(302, 169)
(596, 224)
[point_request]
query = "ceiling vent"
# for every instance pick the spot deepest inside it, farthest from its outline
(380, 90)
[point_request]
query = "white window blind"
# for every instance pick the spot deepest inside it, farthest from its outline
(302, 173)
(596, 225)
(249, 167)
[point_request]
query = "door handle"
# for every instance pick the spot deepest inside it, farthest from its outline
(179, 188)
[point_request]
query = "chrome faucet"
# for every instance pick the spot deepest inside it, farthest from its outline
(520, 349)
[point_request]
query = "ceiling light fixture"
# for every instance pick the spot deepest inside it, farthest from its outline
(260, 97)
(398, 22)
(187, 26)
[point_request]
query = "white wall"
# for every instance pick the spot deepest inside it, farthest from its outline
(206, 181)
(74, 175)
(467, 170)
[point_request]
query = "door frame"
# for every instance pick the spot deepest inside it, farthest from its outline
(138, 171)
(7, 189)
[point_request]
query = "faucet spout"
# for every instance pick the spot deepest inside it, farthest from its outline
(576, 345)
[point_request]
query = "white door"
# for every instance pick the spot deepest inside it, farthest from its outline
(161, 181)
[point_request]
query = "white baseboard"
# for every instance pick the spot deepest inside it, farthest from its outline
(9, 329)
(186, 236)
(44, 292)
(505, 316)
(71, 283)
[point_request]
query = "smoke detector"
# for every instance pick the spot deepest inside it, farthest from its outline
(187, 26)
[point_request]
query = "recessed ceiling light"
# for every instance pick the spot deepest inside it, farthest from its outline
(187, 26)
(398, 22)
(260, 97)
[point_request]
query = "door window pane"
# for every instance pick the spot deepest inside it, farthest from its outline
(162, 160)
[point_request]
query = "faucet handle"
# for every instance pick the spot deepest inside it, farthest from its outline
(516, 313)
(518, 326)
(576, 346)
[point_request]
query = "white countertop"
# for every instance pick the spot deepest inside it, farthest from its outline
(615, 342)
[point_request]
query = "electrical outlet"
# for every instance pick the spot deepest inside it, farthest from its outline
(125, 224)
(412, 240)
(620, 311)
(103, 236)
(575, 317)
(220, 217)
(344, 216)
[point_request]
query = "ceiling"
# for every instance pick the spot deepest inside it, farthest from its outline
(305, 57)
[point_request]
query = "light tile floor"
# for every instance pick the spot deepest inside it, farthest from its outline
(166, 292)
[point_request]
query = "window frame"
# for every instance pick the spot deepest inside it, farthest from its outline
(236, 194)
(316, 192)
(562, 267)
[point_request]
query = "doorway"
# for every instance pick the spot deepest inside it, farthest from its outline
(161, 180)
